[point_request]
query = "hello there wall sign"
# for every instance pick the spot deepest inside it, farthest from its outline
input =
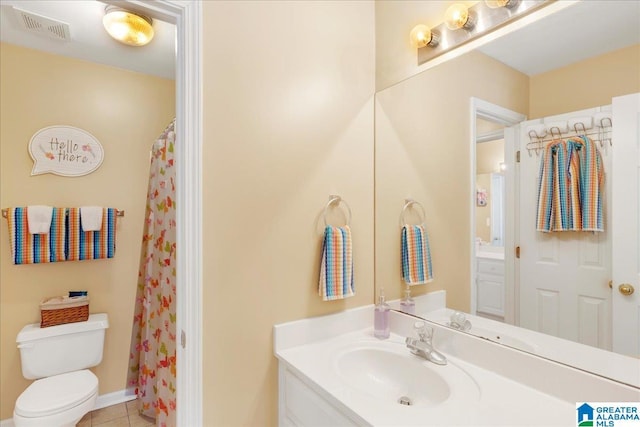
(65, 151)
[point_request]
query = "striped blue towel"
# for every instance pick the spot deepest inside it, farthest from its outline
(591, 185)
(27, 248)
(416, 255)
(336, 269)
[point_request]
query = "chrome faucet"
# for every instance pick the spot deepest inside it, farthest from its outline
(422, 346)
(459, 321)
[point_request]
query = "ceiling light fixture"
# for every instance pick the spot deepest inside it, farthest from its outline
(458, 16)
(127, 27)
(488, 15)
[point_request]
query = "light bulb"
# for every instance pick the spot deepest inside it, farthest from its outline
(422, 36)
(127, 27)
(458, 16)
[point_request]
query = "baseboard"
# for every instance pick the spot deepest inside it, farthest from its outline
(114, 398)
(102, 401)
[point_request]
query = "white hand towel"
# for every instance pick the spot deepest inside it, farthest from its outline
(39, 219)
(91, 218)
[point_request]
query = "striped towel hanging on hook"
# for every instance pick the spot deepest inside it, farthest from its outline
(591, 185)
(570, 187)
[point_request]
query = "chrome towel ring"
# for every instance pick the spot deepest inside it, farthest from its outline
(333, 199)
(407, 204)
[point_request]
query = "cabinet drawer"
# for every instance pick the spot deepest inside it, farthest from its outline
(491, 267)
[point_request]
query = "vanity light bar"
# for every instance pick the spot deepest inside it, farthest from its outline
(486, 20)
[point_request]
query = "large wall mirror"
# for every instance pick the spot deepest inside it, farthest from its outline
(457, 158)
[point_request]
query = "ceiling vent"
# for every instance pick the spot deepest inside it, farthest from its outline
(42, 25)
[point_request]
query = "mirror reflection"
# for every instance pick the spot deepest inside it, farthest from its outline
(471, 195)
(490, 186)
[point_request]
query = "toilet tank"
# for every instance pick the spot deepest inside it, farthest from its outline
(54, 350)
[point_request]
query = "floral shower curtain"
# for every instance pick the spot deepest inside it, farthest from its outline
(152, 360)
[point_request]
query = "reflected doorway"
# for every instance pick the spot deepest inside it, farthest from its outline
(492, 154)
(489, 217)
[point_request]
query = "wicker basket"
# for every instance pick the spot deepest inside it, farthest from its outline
(60, 310)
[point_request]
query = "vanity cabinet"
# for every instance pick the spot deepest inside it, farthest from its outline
(300, 405)
(490, 286)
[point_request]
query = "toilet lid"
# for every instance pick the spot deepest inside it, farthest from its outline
(48, 396)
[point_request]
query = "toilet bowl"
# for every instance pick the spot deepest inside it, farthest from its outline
(61, 400)
(57, 358)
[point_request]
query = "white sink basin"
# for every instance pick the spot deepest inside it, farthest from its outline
(390, 374)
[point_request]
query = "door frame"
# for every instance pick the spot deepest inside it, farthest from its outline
(186, 15)
(495, 113)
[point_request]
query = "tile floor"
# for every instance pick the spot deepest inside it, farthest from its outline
(120, 415)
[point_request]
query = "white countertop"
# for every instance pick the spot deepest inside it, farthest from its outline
(490, 255)
(513, 387)
(497, 401)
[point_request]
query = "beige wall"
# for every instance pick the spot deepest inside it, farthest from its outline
(288, 113)
(488, 157)
(396, 59)
(422, 151)
(586, 84)
(483, 213)
(125, 111)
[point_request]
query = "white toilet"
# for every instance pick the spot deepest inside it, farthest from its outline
(57, 357)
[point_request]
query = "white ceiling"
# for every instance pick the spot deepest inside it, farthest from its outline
(89, 40)
(586, 29)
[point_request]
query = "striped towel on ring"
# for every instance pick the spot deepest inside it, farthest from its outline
(416, 255)
(336, 268)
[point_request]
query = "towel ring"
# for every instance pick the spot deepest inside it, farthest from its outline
(338, 200)
(407, 204)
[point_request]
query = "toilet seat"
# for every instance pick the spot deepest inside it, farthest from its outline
(53, 395)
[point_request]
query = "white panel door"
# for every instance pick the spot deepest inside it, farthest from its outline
(626, 223)
(564, 276)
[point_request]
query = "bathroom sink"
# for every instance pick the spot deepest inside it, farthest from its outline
(389, 374)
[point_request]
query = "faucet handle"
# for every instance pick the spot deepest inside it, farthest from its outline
(424, 332)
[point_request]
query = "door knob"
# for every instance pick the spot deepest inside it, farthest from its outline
(626, 289)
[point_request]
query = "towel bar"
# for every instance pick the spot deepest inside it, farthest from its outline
(5, 212)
